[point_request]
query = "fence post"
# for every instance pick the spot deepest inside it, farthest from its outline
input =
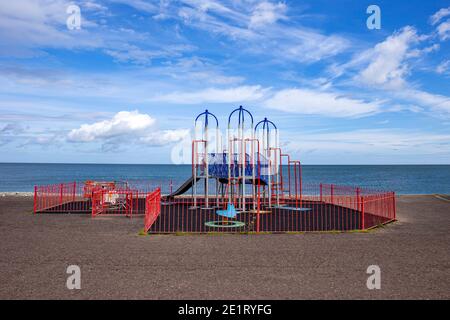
(60, 193)
(301, 182)
(321, 193)
(35, 199)
(257, 222)
(129, 200)
(332, 193)
(357, 199)
(362, 214)
(393, 200)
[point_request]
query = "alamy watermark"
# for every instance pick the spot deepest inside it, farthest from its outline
(74, 280)
(73, 21)
(374, 20)
(374, 280)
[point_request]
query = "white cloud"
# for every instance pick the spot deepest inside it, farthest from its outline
(94, 6)
(160, 138)
(195, 70)
(385, 68)
(214, 95)
(438, 104)
(308, 101)
(28, 26)
(11, 128)
(261, 28)
(267, 13)
(139, 5)
(444, 30)
(376, 138)
(435, 18)
(295, 100)
(443, 67)
(417, 53)
(125, 128)
(21, 134)
(123, 123)
(371, 146)
(131, 53)
(306, 46)
(388, 60)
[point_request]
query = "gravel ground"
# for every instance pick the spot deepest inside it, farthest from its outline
(116, 262)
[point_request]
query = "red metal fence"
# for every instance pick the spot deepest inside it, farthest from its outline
(377, 209)
(49, 197)
(122, 201)
(320, 207)
(94, 197)
(152, 208)
(323, 207)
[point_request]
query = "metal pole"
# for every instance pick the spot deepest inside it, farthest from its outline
(35, 199)
(301, 181)
(207, 165)
(362, 214)
(332, 193)
(61, 193)
(243, 158)
(194, 168)
(357, 199)
(269, 167)
(229, 162)
(277, 167)
(194, 172)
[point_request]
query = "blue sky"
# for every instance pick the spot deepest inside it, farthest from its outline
(125, 87)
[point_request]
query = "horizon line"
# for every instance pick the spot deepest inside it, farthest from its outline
(185, 164)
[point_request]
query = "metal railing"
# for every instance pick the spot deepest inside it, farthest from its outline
(324, 207)
(94, 197)
(152, 208)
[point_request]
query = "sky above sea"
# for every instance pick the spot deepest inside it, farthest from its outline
(122, 81)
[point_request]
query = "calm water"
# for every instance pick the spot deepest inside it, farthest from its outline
(403, 179)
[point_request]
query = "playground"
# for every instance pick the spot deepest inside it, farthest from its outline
(241, 182)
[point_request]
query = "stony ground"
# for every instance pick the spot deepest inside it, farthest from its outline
(116, 262)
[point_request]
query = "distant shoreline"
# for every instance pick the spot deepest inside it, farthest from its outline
(188, 164)
(16, 194)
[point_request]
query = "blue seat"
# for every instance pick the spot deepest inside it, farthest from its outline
(229, 213)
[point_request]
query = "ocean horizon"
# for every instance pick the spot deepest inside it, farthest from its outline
(402, 179)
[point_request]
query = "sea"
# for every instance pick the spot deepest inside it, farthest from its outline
(403, 179)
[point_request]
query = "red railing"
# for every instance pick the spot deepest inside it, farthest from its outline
(96, 198)
(377, 209)
(90, 186)
(324, 207)
(50, 197)
(115, 202)
(152, 208)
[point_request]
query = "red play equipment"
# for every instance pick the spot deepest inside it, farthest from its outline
(245, 183)
(241, 182)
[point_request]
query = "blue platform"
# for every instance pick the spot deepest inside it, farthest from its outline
(218, 167)
(229, 213)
